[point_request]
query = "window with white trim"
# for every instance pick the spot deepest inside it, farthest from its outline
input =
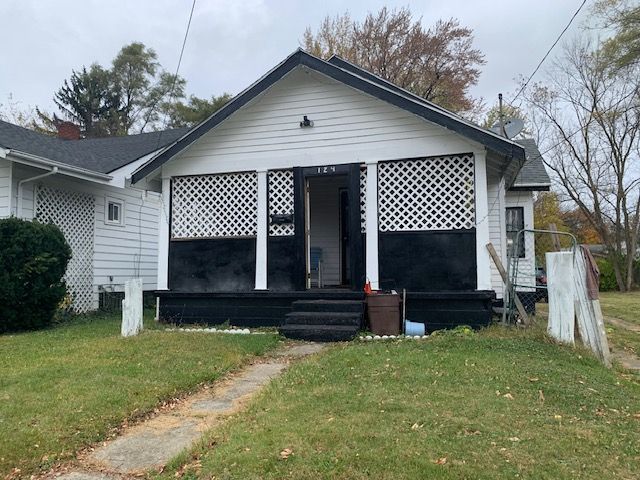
(515, 223)
(114, 211)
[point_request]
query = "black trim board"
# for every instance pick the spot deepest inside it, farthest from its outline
(501, 146)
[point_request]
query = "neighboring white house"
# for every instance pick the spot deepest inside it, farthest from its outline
(321, 166)
(82, 186)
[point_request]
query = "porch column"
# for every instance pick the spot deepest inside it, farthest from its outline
(262, 232)
(483, 261)
(163, 236)
(371, 207)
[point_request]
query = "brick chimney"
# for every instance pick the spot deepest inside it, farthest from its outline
(68, 130)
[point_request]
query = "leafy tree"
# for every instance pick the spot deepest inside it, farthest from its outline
(142, 86)
(195, 111)
(580, 226)
(438, 64)
(128, 98)
(624, 18)
(88, 100)
(547, 211)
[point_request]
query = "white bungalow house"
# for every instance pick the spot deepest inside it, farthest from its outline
(320, 177)
(82, 186)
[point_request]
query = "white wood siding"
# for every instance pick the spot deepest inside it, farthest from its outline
(497, 231)
(526, 265)
(120, 252)
(349, 127)
(5, 188)
(324, 212)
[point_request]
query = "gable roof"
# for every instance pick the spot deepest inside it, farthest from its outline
(102, 155)
(533, 174)
(368, 84)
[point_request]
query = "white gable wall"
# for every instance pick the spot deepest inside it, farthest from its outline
(349, 127)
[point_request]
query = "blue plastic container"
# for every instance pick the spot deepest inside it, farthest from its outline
(413, 328)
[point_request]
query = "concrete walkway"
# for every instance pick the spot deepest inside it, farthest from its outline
(151, 444)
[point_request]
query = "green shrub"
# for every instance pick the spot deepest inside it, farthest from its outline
(33, 259)
(607, 276)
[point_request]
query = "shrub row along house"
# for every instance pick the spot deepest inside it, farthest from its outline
(81, 186)
(314, 180)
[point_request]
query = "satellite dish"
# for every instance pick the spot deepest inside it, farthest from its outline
(512, 127)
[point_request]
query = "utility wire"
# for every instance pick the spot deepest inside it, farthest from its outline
(548, 52)
(175, 76)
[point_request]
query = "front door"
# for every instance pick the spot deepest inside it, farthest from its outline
(327, 217)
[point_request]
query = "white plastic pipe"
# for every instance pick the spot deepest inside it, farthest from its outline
(19, 199)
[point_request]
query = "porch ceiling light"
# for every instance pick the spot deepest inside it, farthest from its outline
(305, 123)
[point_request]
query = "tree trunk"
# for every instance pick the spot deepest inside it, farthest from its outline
(617, 270)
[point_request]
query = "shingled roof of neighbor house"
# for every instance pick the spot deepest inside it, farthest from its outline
(533, 173)
(102, 155)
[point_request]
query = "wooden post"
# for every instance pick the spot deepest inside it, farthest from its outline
(507, 284)
(132, 308)
(555, 237)
(560, 280)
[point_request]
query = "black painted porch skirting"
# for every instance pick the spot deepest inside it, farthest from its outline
(437, 310)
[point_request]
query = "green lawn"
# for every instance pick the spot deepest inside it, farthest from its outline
(66, 387)
(625, 306)
(500, 404)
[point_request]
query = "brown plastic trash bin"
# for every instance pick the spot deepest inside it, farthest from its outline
(383, 310)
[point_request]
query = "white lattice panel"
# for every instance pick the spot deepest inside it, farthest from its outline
(428, 194)
(214, 206)
(281, 200)
(74, 214)
(363, 199)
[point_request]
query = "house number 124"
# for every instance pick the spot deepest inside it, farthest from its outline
(331, 169)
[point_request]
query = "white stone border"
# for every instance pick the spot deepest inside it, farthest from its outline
(232, 331)
(369, 338)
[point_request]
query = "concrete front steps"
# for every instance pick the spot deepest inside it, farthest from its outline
(324, 320)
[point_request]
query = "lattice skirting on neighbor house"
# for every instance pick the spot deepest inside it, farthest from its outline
(73, 213)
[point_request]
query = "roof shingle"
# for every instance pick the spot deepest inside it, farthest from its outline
(533, 173)
(102, 155)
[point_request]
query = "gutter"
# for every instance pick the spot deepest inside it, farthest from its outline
(63, 168)
(19, 202)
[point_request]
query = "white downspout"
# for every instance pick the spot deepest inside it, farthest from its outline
(53, 171)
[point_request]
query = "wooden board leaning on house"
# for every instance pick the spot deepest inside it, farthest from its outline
(507, 285)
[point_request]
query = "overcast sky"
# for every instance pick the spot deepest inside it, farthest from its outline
(232, 43)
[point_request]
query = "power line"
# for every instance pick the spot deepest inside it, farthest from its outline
(549, 51)
(175, 76)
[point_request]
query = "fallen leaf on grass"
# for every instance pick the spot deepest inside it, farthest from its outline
(441, 461)
(508, 396)
(540, 396)
(514, 439)
(533, 379)
(286, 453)
(416, 426)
